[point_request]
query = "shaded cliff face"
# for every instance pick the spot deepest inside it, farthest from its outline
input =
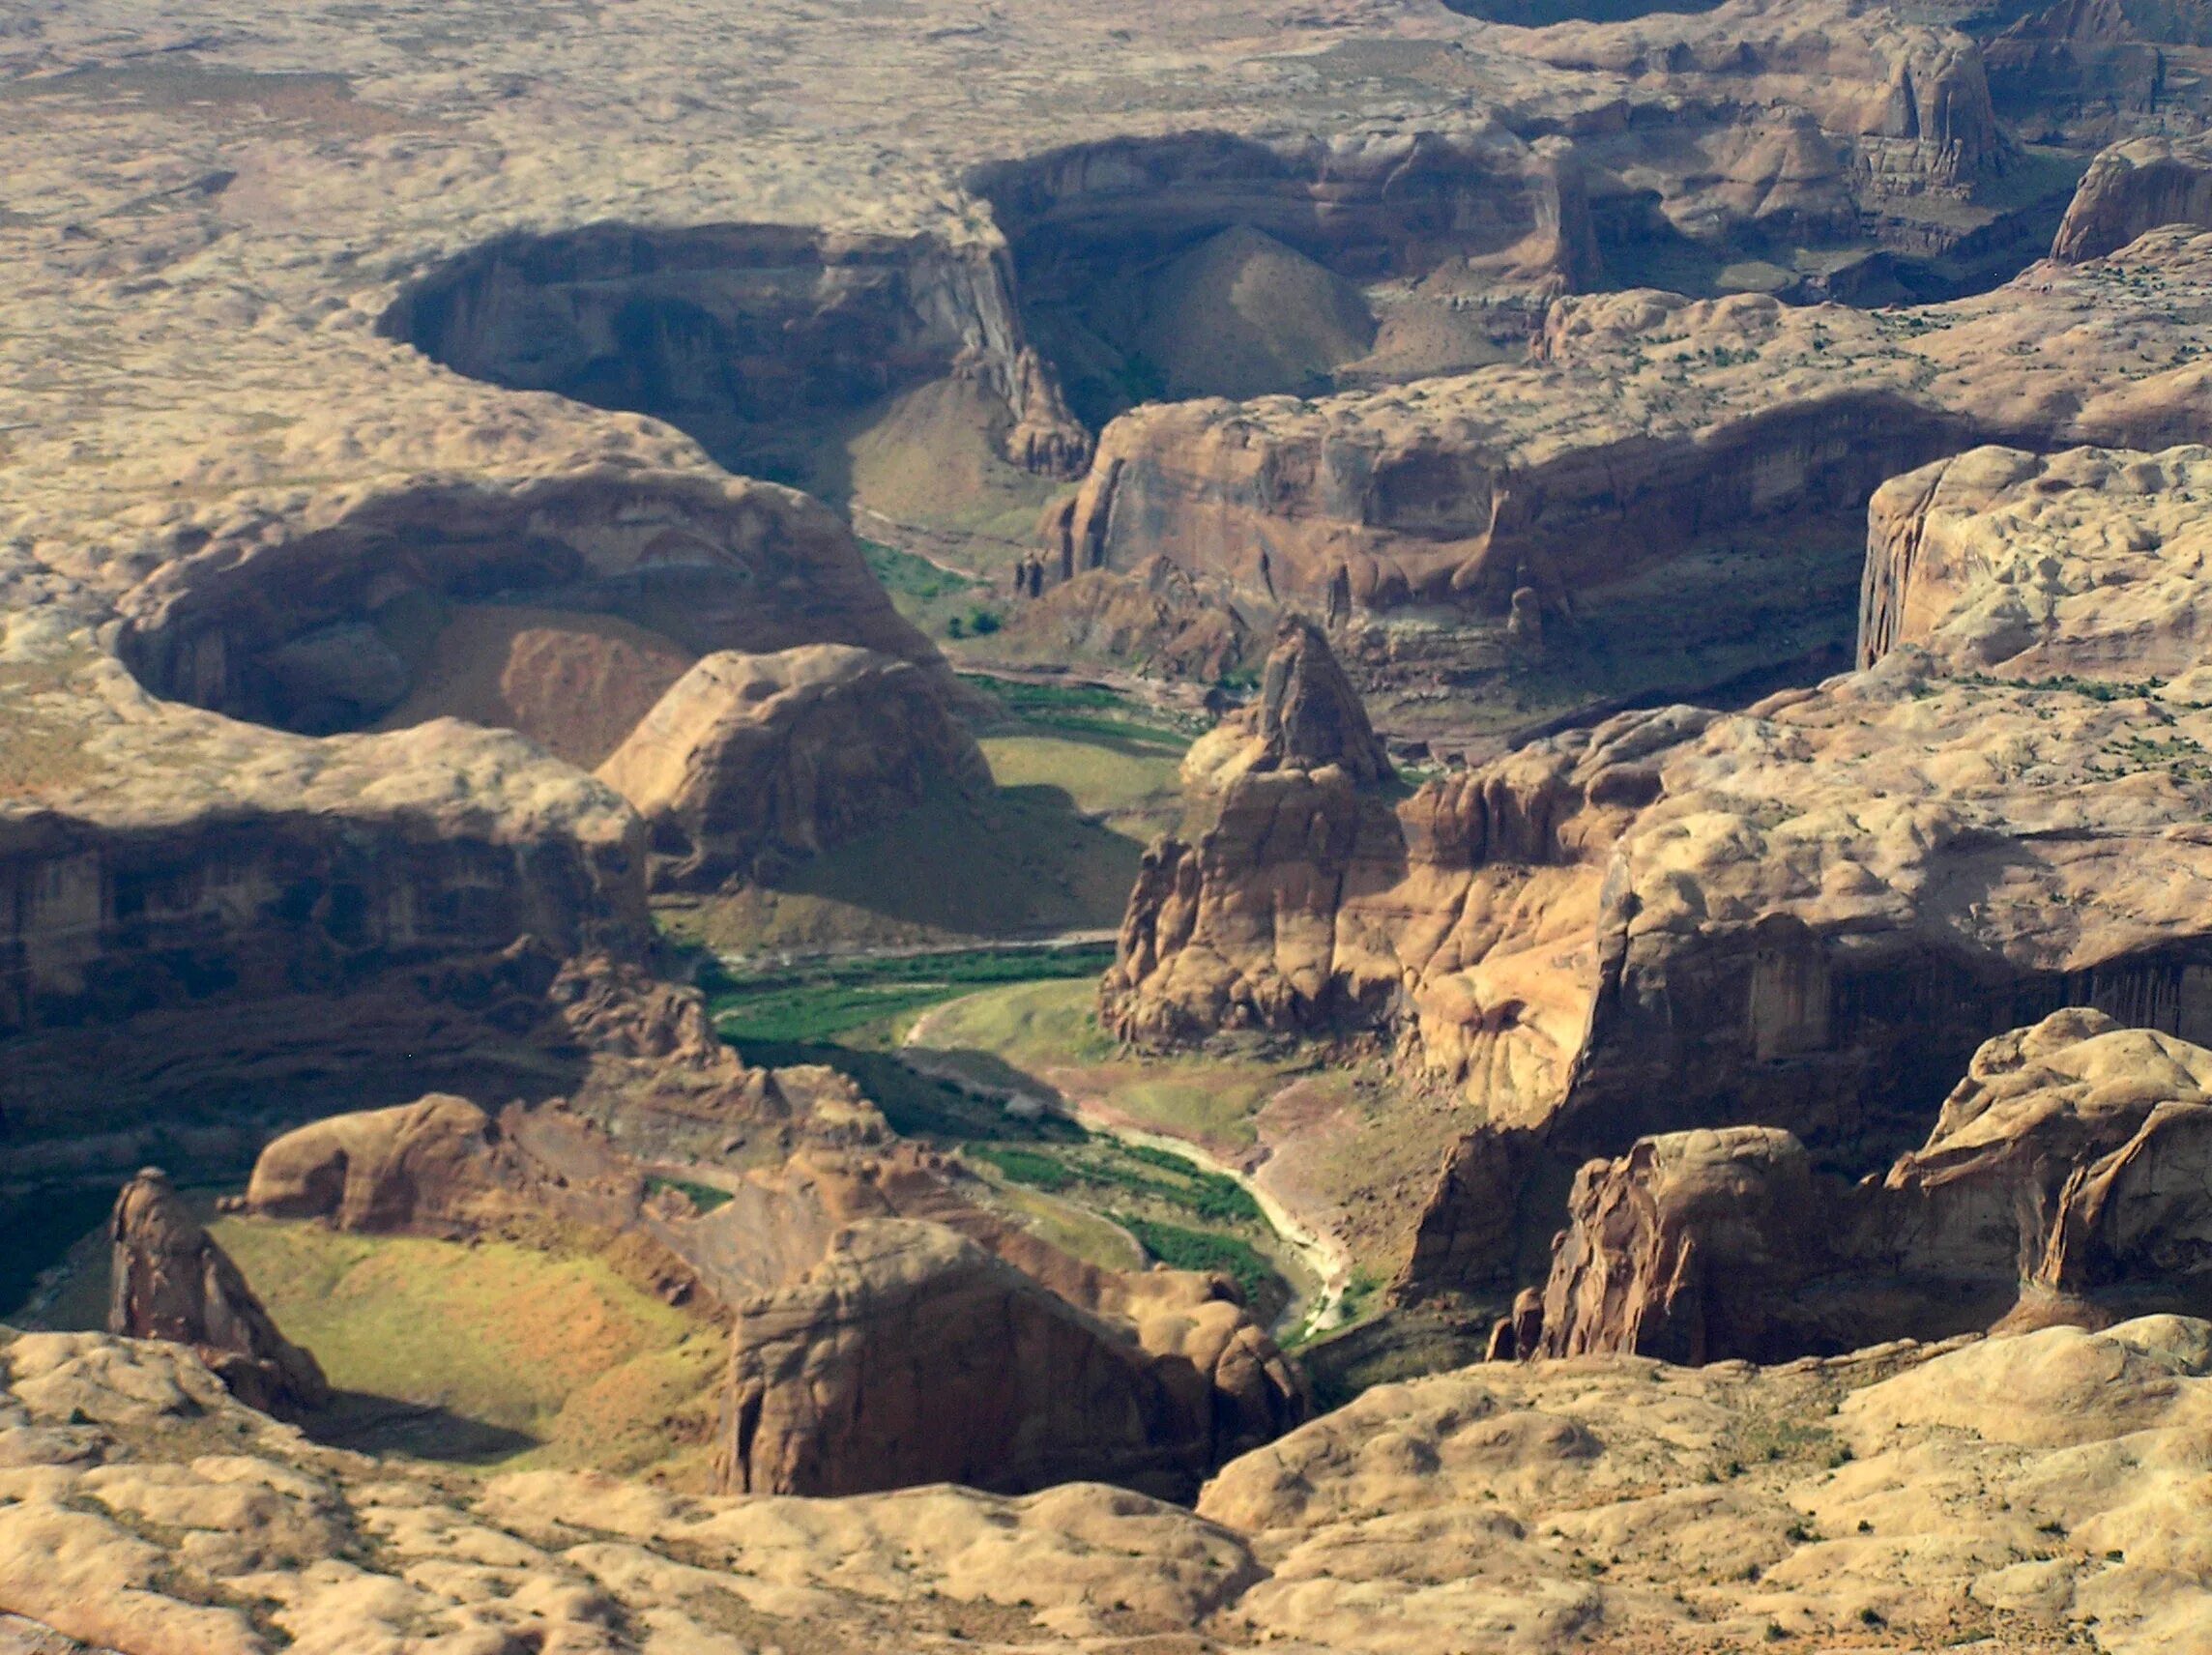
(910, 1354)
(1804, 917)
(1632, 468)
(756, 339)
(2063, 1181)
(323, 620)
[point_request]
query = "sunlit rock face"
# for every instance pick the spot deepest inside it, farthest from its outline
(1805, 916)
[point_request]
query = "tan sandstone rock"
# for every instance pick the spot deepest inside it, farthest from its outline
(2135, 187)
(171, 1281)
(751, 762)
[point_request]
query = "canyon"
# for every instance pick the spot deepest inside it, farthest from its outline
(600, 610)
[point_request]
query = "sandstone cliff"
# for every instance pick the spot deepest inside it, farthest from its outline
(1805, 916)
(2133, 187)
(2064, 1182)
(2081, 564)
(909, 1354)
(751, 762)
(170, 1281)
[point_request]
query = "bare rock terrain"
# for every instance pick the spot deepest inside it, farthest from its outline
(752, 762)
(2019, 1492)
(1805, 916)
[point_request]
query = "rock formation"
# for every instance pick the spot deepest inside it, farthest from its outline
(751, 762)
(170, 1281)
(2021, 1493)
(2134, 187)
(1680, 1249)
(1154, 620)
(1306, 717)
(1653, 431)
(1682, 920)
(911, 1355)
(2065, 1180)
(2083, 564)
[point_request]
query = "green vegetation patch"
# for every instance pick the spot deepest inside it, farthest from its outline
(814, 1001)
(1182, 1248)
(1026, 1167)
(705, 1197)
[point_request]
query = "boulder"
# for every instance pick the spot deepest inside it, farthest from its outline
(751, 762)
(910, 1354)
(429, 1165)
(171, 1281)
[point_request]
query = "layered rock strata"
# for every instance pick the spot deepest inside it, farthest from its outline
(170, 1281)
(1648, 421)
(1804, 917)
(751, 762)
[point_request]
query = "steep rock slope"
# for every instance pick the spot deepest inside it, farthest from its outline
(2064, 1180)
(1649, 420)
(2134, 187)
(170, 1281)
(1804, 917)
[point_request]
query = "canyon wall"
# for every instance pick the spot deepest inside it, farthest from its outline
(1804, 917)
(1650, 425)
(745, 335)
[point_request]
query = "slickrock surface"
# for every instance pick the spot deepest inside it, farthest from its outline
(2028, 1493)
(172, 1282)
(2135, 187)
(751, 762)
(2086, 564)
(1807, 915)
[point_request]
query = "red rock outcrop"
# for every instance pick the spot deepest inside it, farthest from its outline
(1306, 717)
(1679, 1249)
(751, 762)
(171, 1281)
(1152, 619)
(2133, 187)
(1806, 915)
(2068, 1177)
(910, 1354)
